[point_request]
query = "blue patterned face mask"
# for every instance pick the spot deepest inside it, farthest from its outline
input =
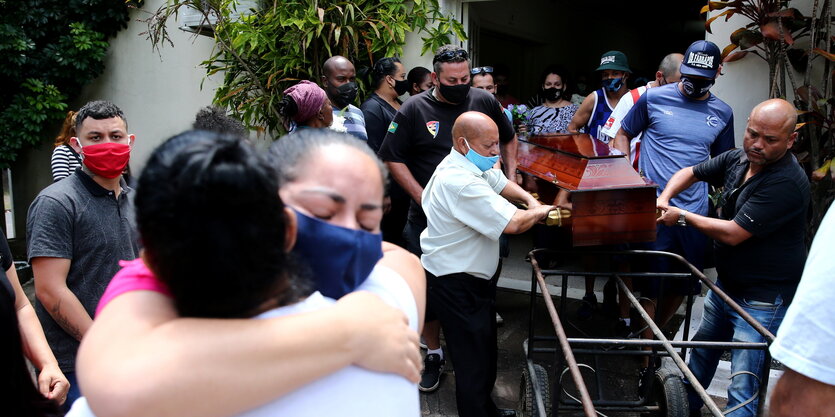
(340, 258)
(481, 162)
(613, 84)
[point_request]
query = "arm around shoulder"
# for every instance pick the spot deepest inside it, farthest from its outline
(140, 359)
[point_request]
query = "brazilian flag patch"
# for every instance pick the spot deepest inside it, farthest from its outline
(392, 127)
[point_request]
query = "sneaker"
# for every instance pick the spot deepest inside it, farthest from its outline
(499, 319)
(588, 307)
(422, 343)
(433, 367)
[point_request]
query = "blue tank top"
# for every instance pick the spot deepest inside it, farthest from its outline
(599, 115)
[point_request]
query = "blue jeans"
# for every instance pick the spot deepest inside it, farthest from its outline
(722, 324)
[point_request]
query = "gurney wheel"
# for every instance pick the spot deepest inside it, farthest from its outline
(669, 393)
(527, 392)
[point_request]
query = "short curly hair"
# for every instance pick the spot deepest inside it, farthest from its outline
(215, 119)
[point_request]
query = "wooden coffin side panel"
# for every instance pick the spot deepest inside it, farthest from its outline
(604, 217)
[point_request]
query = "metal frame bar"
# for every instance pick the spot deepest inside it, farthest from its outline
(565, 343)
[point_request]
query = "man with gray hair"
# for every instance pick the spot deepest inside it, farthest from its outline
(77, 231)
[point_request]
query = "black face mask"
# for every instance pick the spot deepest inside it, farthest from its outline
(345, 95)
(401, 87)
(455, 94)
(552, 94)
(695, 87)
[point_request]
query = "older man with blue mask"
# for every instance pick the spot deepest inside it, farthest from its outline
(467, 209)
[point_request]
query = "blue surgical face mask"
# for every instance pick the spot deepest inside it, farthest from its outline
(339, 258)
(481, 162)
(613, 84)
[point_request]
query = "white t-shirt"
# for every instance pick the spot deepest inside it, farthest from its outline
(806, 336)
(465, 216)
(352, 391)
(625, 104)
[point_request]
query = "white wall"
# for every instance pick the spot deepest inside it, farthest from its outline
(159, 93)
(745, 82)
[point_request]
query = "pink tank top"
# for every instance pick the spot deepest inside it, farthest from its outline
(134, 276)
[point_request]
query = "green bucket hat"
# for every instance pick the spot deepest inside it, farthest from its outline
(614, 60)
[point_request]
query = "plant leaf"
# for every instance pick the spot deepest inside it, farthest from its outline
(824, 54)
(726, 13)
(735, 56)
(728, 49)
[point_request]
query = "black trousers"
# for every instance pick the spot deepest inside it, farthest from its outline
(466, 307)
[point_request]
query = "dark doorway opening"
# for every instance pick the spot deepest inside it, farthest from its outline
(522, 37)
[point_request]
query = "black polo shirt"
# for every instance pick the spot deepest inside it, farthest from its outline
(79, 220)
(420, 135)
(772, 206)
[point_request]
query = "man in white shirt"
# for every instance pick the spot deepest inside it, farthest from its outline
(467, 209)
(668, 73)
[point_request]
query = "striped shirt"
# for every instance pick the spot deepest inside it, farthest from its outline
(64, 162)
(354, 121)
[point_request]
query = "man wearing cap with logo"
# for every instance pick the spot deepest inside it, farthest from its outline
(597, 106)
(418, 138)
(760, 242)
(683, 124)
(467, 208)
(77, 231)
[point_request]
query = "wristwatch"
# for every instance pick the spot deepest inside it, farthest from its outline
(681, 220)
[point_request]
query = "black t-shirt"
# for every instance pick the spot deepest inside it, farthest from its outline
(771, 206)
(420, 135)
(378, 114)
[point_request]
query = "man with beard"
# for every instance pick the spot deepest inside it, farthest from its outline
(339, 80)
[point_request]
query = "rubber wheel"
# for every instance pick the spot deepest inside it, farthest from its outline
(669, 393)
(527, 391)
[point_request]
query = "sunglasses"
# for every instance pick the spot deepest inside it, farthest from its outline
(481, 70)
(448, 56)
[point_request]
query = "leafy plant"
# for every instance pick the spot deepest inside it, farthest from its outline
(49, 50)
(771, 35)
(262, 51)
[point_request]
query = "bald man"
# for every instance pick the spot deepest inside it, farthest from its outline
(759, 242)
(339, 80)
(467, 209)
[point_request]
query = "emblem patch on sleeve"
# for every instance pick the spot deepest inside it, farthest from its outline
(392, 127)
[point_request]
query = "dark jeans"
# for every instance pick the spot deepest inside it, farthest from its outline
(466, 308)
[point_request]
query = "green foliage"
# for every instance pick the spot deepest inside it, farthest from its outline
(49, 49)
(264, 51)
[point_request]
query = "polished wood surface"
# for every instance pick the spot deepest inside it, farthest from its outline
(611, 203)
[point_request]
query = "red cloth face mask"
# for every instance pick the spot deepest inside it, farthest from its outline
(106, 159)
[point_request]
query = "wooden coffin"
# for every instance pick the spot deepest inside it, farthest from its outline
(611, 203)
